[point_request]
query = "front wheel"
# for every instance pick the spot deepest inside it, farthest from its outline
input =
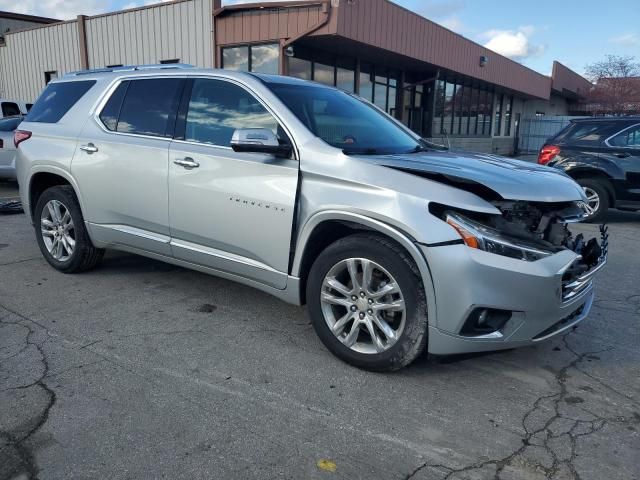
(597, 198)
(61, 233)
(367, 303)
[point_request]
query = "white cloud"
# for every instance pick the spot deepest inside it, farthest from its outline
(67, 9)
(453, 23)
(61, 9)
(514, 44)
(628, 40)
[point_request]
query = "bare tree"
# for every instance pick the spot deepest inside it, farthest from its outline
(617, 85)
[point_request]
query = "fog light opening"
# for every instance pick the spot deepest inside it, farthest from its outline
(484, 321)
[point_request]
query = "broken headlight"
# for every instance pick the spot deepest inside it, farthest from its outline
(482, 237)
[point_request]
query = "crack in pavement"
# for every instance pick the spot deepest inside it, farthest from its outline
(14, 439)
(543, 437)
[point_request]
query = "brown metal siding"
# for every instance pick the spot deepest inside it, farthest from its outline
(385, 25)
(564, 78)
(269, 23)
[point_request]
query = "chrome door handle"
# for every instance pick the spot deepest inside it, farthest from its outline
(187, 163)
(89, 148)
(622, 154)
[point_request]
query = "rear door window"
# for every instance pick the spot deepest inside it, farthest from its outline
(57, 99)
(587, 133)
(9, 109)
(629, 138)
(149, 107)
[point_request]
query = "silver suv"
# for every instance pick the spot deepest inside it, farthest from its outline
(312, 195)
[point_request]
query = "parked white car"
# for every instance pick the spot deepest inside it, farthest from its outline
(8, 125)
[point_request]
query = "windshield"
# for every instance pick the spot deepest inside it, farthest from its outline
(343, 121)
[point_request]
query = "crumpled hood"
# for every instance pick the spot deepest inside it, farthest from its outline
(509, 178)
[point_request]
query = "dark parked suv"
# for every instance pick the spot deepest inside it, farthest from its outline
(603, 156)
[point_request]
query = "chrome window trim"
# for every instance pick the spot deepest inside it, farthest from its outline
(606, 142)
(100, 104)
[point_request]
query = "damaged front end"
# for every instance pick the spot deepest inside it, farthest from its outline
(530, 231)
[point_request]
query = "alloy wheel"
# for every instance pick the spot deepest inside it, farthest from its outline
(363, 305)
(593, 200)
(58, 233)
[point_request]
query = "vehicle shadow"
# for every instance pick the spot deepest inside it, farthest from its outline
(620, 217)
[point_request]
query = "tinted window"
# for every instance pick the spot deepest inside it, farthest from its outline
(9, 124)
(9, 109)
(344, 121)
(587, 132)
(111, 110)
(57, 99)
(218, 108)
(628, 138)
(29, 105)
(149, 105)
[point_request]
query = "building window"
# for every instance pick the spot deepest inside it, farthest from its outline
(366, 85)
(498, 119)
(300, 68)
(486, 107)
(437, 126)
(48, 76)
(340, 74)
(507, 117)
(265, 59)
(346, 75)
(252, 58)
(167, 62)
(447, 120)
(473, 111)
(236, 58)
(325, 74)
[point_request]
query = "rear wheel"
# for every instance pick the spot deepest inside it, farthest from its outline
(597, 198)
(367, 303)
(61, 233)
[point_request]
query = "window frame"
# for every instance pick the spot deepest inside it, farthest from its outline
(183, 110)
(606, 142)
(170, 134)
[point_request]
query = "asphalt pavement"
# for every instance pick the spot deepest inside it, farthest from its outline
(144, 370)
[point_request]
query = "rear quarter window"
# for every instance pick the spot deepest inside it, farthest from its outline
(57, 99)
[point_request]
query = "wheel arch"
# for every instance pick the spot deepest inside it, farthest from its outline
(326, 227)
(597, 174)
(44, 178)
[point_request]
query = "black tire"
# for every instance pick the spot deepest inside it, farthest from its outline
(84, 256)
(390, 256)
(598, 186)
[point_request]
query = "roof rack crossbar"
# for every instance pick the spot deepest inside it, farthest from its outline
(131, 68)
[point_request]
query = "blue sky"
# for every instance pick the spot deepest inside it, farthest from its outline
(532, 32)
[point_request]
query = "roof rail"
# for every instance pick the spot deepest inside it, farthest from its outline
(131, 68)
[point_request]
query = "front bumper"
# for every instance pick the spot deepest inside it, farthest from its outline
(465, 279)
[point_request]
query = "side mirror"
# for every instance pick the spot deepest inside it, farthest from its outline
(258, 140)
